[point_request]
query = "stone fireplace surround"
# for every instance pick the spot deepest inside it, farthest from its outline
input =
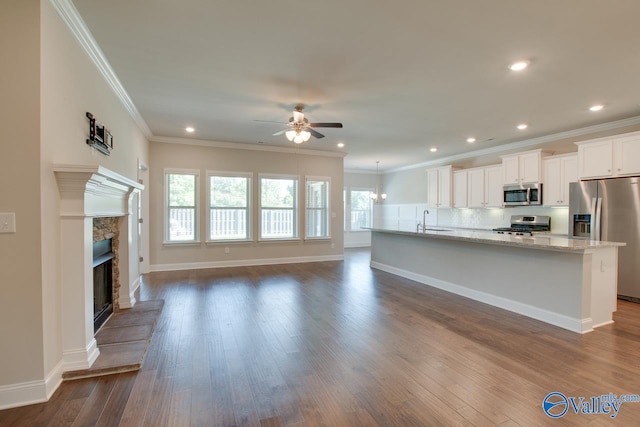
(88, 192)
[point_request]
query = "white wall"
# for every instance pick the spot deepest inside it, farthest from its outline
(48, 85)
(21, 314)
(203, 158)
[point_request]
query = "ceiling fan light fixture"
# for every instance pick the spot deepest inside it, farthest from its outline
(305, 134)
(290, 134)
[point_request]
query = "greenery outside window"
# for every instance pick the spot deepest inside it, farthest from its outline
(278, 207)
(181, 201)
(229, 206)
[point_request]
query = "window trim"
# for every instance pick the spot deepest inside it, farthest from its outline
(296, 214)
(249, 175)
(348, 209)
(326, 179)
(196, 216)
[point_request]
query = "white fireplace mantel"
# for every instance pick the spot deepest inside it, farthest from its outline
(86, 192)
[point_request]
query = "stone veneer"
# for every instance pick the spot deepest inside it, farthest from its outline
(103, 229)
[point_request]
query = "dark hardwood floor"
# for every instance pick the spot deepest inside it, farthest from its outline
(340, 344)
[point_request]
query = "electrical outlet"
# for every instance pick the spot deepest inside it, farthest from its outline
(333, 245)
(227, 250)
(8, 222)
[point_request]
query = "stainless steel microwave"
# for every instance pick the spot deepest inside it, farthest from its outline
(522, 194)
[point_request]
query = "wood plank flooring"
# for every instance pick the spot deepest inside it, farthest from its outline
(340, 344)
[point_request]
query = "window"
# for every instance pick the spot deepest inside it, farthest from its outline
(317, 218)
(229, 213)
(360, 209)
(181, 202)
(278, 207)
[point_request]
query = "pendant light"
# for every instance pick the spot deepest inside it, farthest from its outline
(378, 196)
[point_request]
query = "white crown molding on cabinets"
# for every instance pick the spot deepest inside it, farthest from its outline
(500, 149)
(76, 25)
(240, 146)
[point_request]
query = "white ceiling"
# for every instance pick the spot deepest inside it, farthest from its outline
(401, 76)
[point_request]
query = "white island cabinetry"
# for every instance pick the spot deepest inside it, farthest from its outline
(566, 282)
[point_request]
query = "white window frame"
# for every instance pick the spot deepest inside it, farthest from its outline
(249, 208)
(196, 216)
(296, 210)
(348, 208)
(327, 208)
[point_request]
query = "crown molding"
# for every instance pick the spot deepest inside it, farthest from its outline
(527, 143)
(78, 28)
(243, 146)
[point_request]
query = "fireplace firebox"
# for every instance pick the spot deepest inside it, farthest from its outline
(102, 282)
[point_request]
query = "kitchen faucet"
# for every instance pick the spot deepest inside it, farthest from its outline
(424, 222)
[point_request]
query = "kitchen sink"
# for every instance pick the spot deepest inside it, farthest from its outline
(436, 229)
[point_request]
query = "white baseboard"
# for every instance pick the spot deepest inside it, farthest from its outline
(244, 262)
(83, 358)
(31, 392)
(128, 301)
(357, 245)
(576, 325)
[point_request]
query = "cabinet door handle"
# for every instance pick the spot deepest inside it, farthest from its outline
(608, 170)
(619, 169)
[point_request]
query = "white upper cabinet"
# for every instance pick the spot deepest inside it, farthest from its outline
(493, 186)
(439, 187)
(475, 187)
(610, 157)
(559, 171)
(522, 168)
(484, 187)
(460, 189)
(627, 152)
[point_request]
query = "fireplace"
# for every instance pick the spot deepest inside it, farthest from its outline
(102, 282)
(88, 193)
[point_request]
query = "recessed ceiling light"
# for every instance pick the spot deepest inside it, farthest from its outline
(340, 144)
(471, 140)
(596, 107)
(519, 66)
(523, 126)
(189, 129)
(433, 149)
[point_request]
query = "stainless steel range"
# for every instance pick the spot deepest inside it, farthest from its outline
(526, 225)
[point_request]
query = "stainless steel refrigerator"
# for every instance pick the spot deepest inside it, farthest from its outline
(609, 209)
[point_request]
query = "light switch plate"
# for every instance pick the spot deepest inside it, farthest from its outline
(7, 222)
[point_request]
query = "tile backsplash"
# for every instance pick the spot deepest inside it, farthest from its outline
(407, 216)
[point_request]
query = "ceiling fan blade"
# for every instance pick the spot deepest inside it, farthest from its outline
(315, 133)
(325, 125)
(280, 132)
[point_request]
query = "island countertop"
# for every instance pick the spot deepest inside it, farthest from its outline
(537, 241)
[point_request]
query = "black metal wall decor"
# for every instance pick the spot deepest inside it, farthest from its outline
(99, 136)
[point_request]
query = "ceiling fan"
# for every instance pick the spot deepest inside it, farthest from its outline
(299, 130)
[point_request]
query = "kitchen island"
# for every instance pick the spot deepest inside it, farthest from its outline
(566, 282)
